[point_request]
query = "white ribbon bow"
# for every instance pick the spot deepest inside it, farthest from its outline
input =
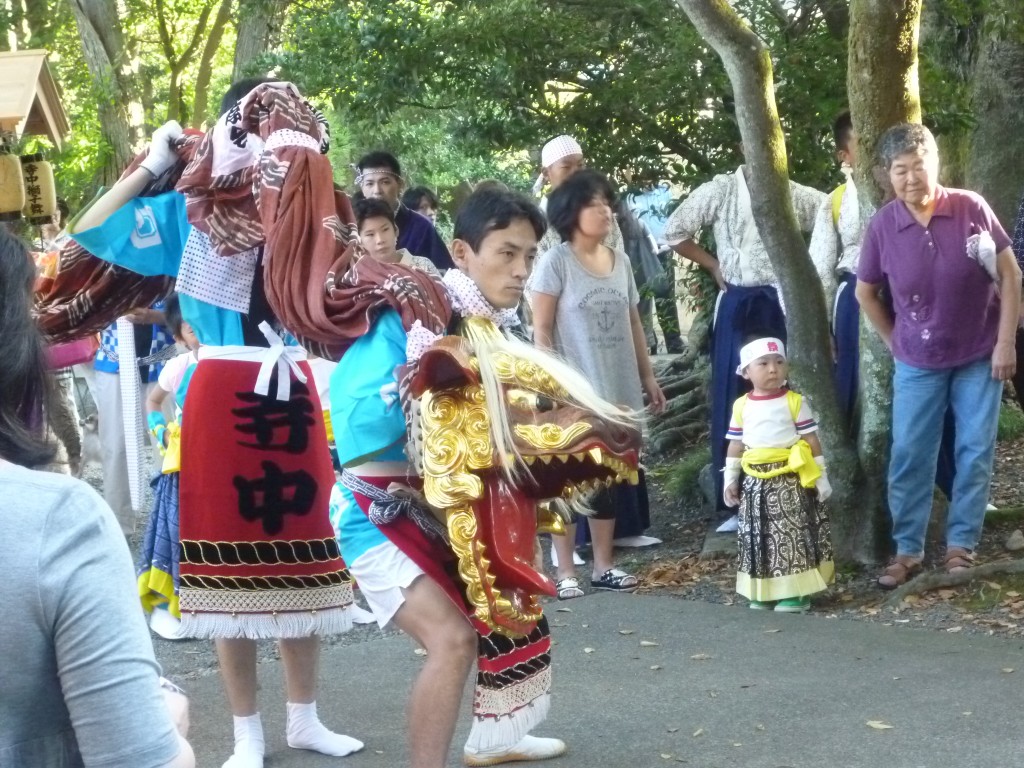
(283, 358)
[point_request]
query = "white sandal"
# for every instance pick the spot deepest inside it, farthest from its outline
(568, 588)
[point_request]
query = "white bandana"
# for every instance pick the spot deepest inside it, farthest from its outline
(759, 348)
(557, 148)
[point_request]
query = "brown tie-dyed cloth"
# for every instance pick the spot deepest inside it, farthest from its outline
(88, 294)
(314, 281)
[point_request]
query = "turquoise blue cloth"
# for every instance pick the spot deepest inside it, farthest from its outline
(147, 235)
(368, 423)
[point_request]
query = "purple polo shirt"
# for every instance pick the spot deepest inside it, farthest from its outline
(946, 307)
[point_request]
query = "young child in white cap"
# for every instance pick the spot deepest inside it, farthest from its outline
(785, 551)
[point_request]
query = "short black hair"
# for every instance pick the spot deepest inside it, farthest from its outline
(172, 315)
(413, 198)
(490, 210)
(25, 390)
(371, 208)
(842, 129)
(573, 195)
(379, 159)
(239, 88)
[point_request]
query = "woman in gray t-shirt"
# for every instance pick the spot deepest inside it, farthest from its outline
(584, 304)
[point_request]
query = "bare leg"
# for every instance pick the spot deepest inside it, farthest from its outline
(301, 656)
(430, 618)
(237, 659)
(565, 545)
(601, 534)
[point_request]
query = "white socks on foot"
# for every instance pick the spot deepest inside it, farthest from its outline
(249, 745)
(305, 731)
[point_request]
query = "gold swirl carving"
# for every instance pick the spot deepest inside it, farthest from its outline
(456, 443)
(552, 437)
(515, 371)
(462, 535)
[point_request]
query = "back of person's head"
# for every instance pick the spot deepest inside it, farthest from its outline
(172, 315)
(842, 130)
(372, 208)
(379, 159)
(239, 88)
(24, 385)
(573, 195)
(490, 184)
(491, 210)
(416, 196)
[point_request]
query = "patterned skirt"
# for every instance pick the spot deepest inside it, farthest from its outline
(157, 568)
(258, 555)
(785, 548)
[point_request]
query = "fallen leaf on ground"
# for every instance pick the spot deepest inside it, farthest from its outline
(1007, 670)
(701, 656)
(625, 631)
(878, 725)
(648, 644)
(771, 631)
(665, 756)
(656, 666)
(672, 730)
(588, 650)
(698, 732)
(954, 629)
(420, 651)
(563, 610)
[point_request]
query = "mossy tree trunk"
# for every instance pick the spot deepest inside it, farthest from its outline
(748, 63)
(882, 82)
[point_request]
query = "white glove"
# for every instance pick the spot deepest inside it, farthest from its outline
(161, 155)
(731, 474)
(823, 486)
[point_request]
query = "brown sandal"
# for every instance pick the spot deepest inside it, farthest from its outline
(958, 559)
(898, 571)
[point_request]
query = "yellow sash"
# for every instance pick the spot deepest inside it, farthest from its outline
(172, 453)
(798, 458)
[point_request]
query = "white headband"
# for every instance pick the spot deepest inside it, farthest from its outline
(759, 348)
(557, 148)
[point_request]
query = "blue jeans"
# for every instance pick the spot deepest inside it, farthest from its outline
(920, 400)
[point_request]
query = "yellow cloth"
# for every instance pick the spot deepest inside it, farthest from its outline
(172, 453)
(329, 426)
(798, 460)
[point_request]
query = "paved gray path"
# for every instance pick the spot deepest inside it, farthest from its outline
(731, 687)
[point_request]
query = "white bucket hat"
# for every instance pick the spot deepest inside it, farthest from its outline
(759, 348)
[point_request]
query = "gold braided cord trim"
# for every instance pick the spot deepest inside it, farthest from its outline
(192, 600)
(496, 702)
(239, 549)
(264, 583)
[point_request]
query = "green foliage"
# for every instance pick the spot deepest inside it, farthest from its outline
(682, 477)
(632, 80)
(1011, 423)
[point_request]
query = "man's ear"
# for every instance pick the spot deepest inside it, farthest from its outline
(461, 253)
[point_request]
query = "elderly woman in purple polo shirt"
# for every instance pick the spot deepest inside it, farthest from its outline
(956, 289)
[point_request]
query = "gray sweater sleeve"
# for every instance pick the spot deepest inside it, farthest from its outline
(104, 655)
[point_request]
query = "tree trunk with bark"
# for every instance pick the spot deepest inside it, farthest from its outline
(748, 64)
(882, 83)
(259, 30)
(995, 161)
(201, 103)
(102, 45)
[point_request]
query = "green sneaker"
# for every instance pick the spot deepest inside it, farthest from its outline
(793, 605)
(757, 605)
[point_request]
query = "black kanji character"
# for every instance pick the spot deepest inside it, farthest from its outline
(264, 498)
(268, 414)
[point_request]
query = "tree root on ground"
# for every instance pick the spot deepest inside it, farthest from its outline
(939, 579)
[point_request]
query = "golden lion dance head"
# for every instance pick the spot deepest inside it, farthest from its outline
(511, 439)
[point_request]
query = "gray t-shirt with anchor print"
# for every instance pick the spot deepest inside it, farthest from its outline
(592, 328)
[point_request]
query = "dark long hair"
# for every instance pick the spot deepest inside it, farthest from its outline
(572, 196)
(24, 384)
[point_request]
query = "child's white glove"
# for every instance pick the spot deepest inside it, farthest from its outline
(823, 486)
(731, 478)
(161, 155)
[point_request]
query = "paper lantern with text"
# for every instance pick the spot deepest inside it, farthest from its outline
(12, 188)
(40, 191)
